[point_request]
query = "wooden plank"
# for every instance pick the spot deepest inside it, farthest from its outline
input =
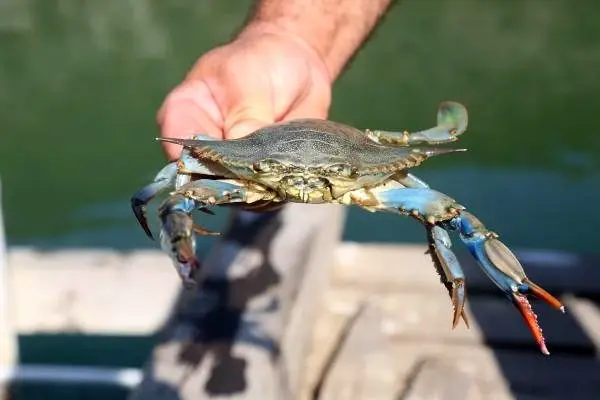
(391, 267)
(587, 313)
(557, 377)
(244, 333)
(328, 332)
(441, 379)
(303, 293)
(363, 368)
(133, 291)
(495, 321)
(385, 267)
(502, 374)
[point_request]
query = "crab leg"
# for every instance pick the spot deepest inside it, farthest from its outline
(452, 120)
(444, 260)
(426, 205)
(170, 177)
(440, 211)
(177, 232)
(450, 271)
(504, 269)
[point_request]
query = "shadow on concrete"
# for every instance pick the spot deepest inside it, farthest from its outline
(572, 370)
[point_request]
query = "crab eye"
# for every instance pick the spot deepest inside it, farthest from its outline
(340, 169)
(316, 182)
(265, 165)
(294, 181)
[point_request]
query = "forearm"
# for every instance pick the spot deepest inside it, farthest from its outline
(335, 29)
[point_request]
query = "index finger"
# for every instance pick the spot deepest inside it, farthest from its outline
(188, 110)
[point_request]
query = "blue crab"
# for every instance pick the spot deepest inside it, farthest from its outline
(320, 161)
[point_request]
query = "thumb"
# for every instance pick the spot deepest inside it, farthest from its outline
(245, 121)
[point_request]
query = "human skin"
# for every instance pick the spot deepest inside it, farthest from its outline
(280, 66)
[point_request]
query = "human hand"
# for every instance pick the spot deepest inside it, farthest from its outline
(264, 76)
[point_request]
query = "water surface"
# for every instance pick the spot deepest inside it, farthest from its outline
(80, 83)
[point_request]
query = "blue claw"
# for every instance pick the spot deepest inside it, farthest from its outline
(450, 271)
(452, 121)
(504, 269)
(177, 234)
(177, 237)
(163, 181)
(431, 207)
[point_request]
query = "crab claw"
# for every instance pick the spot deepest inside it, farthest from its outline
(452, 121)
(450, 272)
(505, 270)
(138, 205)
(141, 198)
(458, 303)
(178, 239)
(162, 182)
(453, 115)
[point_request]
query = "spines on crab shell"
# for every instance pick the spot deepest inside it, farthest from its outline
(207, 153)
(197, 150)
(415, 158)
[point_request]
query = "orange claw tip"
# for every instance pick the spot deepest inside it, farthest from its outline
(544, 350)
(542, 294)
(531, 320)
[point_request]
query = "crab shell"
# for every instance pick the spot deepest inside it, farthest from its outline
(306, 160)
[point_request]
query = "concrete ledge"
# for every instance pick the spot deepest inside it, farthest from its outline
(91, 291)
(113, 292)
(133, 292)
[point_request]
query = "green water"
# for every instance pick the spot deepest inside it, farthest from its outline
(80, 83)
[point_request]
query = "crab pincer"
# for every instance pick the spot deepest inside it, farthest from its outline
(450, 271)
(504, 269)
(177, 237)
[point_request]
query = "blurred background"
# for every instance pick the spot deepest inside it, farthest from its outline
(81, 81)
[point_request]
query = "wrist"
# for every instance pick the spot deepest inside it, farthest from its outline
(333, 30)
